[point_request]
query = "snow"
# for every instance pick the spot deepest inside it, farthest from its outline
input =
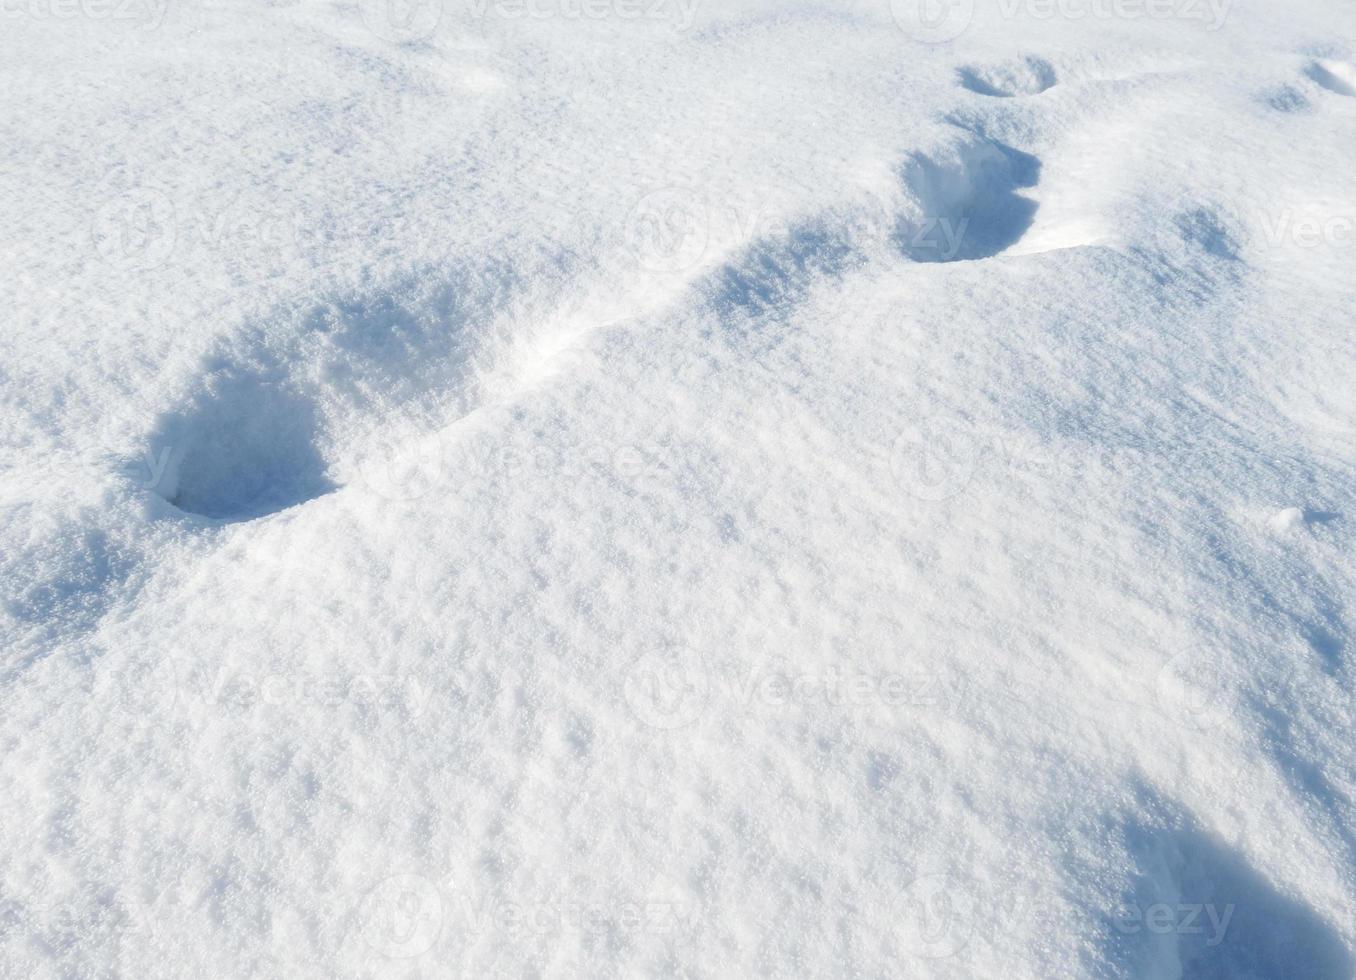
(596, 488)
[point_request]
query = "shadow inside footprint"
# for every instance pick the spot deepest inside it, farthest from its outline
(245, 447)
(967, 207)
(256, 434)
(774, 273)
(1333, 76)
(1028, 76)
(1206, 228)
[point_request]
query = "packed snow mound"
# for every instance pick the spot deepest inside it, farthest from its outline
(677, 489)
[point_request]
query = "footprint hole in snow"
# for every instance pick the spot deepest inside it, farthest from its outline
(247, 446)
(1209, 229)
(252, 439)
(775, 273)
(1026, 76)
(966, 205)
(1335, 76)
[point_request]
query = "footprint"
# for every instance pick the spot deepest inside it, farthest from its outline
(246, 444)
(1206, 228)
(1026, 76)
(270, 421)
(773, 274)
(1285, 98)
(959, 205)
(1335, 76)
(965, 205)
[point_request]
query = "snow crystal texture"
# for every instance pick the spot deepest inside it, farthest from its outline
(614, 488)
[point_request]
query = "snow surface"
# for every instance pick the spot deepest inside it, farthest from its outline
(673, 488)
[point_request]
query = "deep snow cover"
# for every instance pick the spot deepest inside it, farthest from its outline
(616, 488)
